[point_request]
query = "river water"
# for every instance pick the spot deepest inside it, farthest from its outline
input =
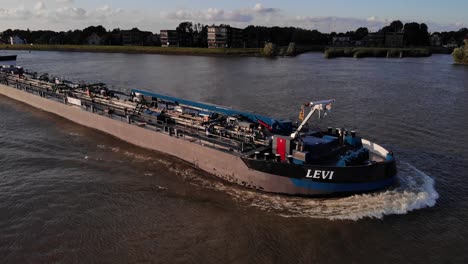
(69, 194)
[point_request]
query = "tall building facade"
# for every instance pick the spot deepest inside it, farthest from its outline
(169, 38)
(225, 37)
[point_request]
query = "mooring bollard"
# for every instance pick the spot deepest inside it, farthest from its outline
(278, 157)
(257, 153)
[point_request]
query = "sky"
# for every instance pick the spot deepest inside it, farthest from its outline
(326, 16)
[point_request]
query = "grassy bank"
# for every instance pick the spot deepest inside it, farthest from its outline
(460, 55)
(138, 49)
(359, 52)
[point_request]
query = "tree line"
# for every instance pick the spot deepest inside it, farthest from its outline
(195, 35)
(73, 37)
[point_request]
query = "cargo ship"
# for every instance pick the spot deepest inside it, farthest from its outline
(251, 150)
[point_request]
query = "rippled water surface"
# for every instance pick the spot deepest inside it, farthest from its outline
(69, 194)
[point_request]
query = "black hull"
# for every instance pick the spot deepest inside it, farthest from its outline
(8, 58)
(330, 179)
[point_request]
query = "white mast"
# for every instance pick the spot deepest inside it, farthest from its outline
(316, 106)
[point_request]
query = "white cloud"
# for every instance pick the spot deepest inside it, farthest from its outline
(40, 6)
(68, 13)
(65, 1)
(40, 9)
(105, 8)
(15, 13)
(338, 24)
(436, 27)
(210, 15)
(259, 8)
(104, 12)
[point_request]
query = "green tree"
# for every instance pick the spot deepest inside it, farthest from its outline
(460, 55)
(416, 34)
(185, 32)
(361, 33)
(396, 26)
(291, 51)
(269, 50)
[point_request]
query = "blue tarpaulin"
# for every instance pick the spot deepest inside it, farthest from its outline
(275, 124)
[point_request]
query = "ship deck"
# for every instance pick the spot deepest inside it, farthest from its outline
(120, 109)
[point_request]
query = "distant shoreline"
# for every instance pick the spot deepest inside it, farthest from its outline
(364, 52)
(329, 52)
(221, 52)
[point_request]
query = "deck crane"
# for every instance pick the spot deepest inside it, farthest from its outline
(319, 106)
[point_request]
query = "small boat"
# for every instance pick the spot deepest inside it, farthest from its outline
(8, 58)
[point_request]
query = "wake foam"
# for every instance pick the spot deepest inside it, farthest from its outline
(75, 134)
(415, 191)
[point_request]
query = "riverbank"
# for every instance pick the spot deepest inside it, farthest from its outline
(241, 52)
(460, 55)
(363, 52)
